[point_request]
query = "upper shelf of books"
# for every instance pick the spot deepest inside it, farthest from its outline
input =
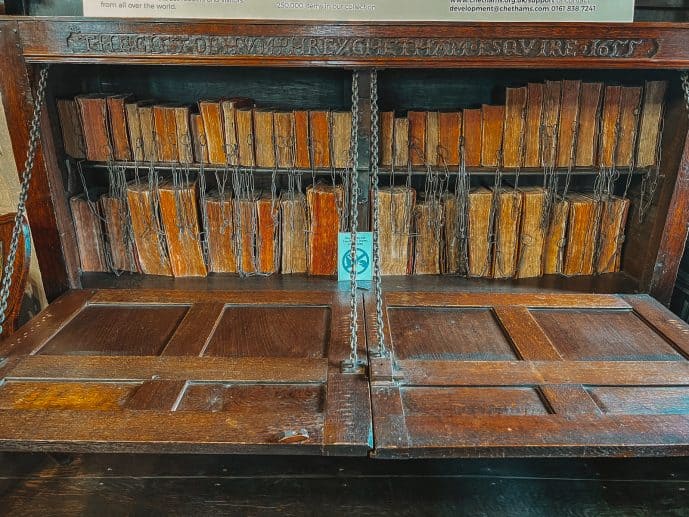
(428, 45)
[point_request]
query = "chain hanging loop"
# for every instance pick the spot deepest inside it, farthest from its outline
(377, 268)
(354, 364)
(34, 139)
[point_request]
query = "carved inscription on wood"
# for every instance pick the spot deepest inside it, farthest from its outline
(354, 47)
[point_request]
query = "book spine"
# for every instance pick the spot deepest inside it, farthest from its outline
(401, 142)
(302, 140)
(534, 122)
(630, 111)
(319, 128)
(507, 223)
(472, 137)
(70, 125)
(294, 228)
(341, 138)
(589, 124)
(417, 137)
(650, 131)
(211, 112)
(532, 234)
(396, 207)
(427, 217)
(324, 204)
(450, 129)
(284, 139)
(94, 120)
(432, 138)
(569, 124)
(89, 234)
(492, 124)
(118, 128)
(148, 234)
(556, 239)
(122, 250)
(267, 239)
(264, 139)
(515, 120)
(387, 129)
(220, 232)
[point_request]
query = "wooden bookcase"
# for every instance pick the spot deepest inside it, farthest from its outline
(589, 366)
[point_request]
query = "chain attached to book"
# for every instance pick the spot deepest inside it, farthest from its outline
(34, 139)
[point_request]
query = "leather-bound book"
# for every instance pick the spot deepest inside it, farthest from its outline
(471, 133)
(229, 107)
(94, 119)
(294, 233)
(119, 238)
(70, 125)
(264, 139)
(267, 238)
(325, 202)
(387, 130)
(583, 227)
(246, 226)
(244, 118)
(395, 208)
(148, 233)
(118, 127)
(319, 129)
(148, 132)
(284, 139)
(589, 124)
(134, 128)
(198, 138)
(556, 238)
(450, 129)
(508, 214)
(514, 142)
(479, 229)
(302, 140)
(610, 126)
(185, 145)
(212, 114)
(651, 123)
(417, 137)
(454, 243)
(551, 122)
(428, 216)
(432, 138)
(342, 136)
(630, 112)
(166, 133)
(532, 233)
(401, 142)
(534, 121)
(179, 214)
(569, 124)
(220, 234)
(612, 231)
(89, 234)
(492, 124)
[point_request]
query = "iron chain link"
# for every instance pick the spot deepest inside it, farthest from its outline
(354, 364)
(34, 138)
(377, 271)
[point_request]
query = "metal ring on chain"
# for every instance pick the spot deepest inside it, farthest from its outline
(34, 138)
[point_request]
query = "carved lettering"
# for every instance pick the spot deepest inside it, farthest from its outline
(356, 47)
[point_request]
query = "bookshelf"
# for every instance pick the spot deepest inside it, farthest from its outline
(228, 364)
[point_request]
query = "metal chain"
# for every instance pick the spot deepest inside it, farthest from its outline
(377, 271)
(34, 138)
(685, 88)
(353, 364)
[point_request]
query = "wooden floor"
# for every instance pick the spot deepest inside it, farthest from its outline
(36, 484)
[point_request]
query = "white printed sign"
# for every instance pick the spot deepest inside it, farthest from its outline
(371, 10)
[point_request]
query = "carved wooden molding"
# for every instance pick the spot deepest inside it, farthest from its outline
(356, 47)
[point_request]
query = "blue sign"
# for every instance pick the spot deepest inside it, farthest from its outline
(363, 260)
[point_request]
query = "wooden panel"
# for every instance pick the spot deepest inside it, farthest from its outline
(435, 333)
(472, 401)
(187, 372)
(591, 375)
(598, 335)
(117, 330)
(271, 331)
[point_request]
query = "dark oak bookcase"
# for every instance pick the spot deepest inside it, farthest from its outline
(589, 366)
